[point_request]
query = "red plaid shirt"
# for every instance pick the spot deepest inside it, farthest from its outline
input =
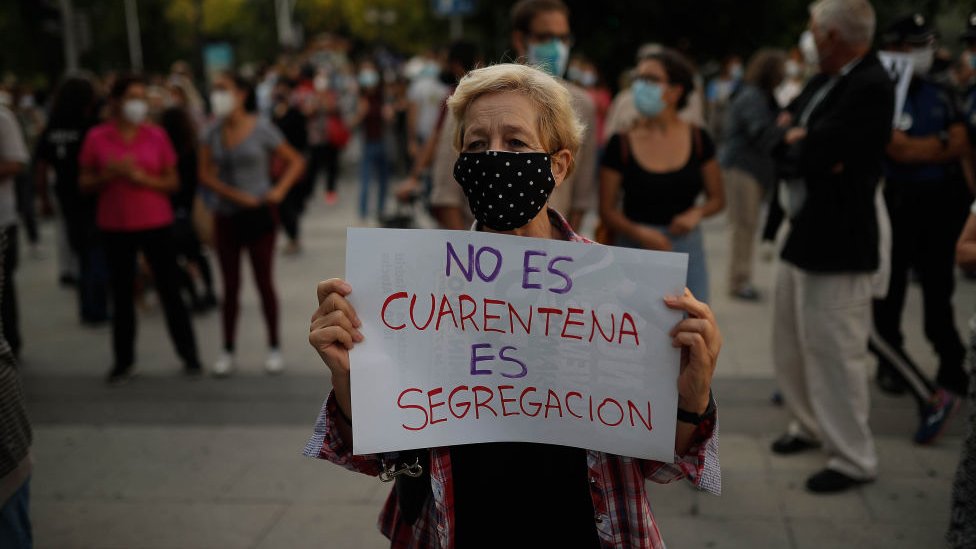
(621, 509)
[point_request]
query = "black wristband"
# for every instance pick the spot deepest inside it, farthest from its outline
(685, 416)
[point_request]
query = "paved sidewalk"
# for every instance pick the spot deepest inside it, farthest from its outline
(169, 462)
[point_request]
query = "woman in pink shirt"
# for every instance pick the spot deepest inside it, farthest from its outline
(131, 164)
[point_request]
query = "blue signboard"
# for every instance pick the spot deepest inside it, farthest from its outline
(447, 8)
(217, 57)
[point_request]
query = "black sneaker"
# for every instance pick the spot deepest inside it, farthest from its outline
(746, 293)
(788, 444)
(94, 323)
(935, 416)
(193, 371)
(829, 481)
(119, 375)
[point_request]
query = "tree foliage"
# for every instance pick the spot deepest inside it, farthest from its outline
(607, 32)
(405, 26)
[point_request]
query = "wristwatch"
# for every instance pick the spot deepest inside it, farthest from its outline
(685, 416)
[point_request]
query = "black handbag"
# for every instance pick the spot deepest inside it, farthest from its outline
(251, 224)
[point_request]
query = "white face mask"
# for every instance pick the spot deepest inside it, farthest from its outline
(808, 47)
(791, 68)
(320, 83)
(922, 60)
(135, 110)
(222, 103)
(430, 70)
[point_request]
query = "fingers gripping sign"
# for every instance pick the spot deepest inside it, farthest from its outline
(334, 328)
(699, 338)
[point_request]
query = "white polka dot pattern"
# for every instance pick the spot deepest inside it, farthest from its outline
(509, 196)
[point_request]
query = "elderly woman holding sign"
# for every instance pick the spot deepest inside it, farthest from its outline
(469, 495)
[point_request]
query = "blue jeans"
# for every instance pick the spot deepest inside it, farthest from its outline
(15, 525)
(692, 244)
(374, 157)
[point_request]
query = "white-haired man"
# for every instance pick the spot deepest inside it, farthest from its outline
(822, 306)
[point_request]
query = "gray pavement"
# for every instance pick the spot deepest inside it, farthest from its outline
(170, 462)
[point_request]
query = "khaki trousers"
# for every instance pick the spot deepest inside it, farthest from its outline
(821, 325)
(744, 196)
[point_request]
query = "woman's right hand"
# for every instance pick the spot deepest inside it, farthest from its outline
(122, 167)
(652, 239)
(247, 200)
(334, 332)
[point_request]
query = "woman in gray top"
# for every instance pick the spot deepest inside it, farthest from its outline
(751, 134)
(235, 162)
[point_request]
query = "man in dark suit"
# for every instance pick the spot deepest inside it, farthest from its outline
(841, 123)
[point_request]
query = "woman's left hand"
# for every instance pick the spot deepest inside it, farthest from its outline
(699, 338)
(275, 195)
(685, 222)
(795, 135)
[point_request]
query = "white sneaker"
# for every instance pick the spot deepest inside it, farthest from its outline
(224, 365)
(275, 363)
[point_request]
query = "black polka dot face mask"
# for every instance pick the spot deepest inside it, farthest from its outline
(505, 189)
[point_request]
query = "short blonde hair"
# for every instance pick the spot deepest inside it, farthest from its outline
(559, 127)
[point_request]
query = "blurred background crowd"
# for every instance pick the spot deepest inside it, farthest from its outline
(226, 117)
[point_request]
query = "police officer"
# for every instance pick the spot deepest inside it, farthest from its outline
(925, 194)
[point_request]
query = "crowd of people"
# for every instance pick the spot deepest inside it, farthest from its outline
(803, 144)
(804, 148)
(150, 178)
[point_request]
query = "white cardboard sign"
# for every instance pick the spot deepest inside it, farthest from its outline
(473, 337)
(899, 67)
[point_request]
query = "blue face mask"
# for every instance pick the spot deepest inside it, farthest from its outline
(736, 72)
(368, 78)
(430, 70)
(551, 56)
(648, 97)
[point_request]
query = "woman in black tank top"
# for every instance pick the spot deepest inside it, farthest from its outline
(662, 165)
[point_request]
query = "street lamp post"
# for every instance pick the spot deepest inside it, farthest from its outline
(68, 37)
(287, 33)
(132, 27)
